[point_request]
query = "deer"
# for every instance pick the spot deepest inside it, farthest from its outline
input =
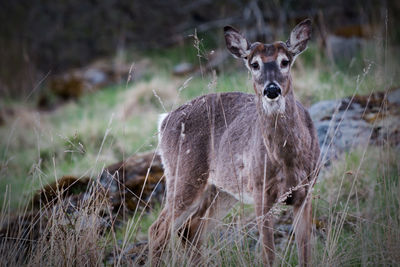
(258, 149)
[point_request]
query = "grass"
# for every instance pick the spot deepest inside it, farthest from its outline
(356, 201)
(356, 206)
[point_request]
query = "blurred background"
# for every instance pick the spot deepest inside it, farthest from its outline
(82, 83)
(48, 38)
(72, 72)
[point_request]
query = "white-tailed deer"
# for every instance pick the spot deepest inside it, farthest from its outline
(222, 148)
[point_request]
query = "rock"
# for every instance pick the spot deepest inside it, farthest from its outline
(135, 181)
(67, 86)
(323, 109)
(74, 83)
(351, 122)
(67, 186)
(394, 96)
(96, 77)
(183, 68)
(213, 61)
(123, 183)
(340, 135)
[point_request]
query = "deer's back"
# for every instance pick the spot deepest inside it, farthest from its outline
(191, 134)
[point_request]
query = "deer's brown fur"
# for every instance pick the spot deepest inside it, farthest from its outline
(222, 148)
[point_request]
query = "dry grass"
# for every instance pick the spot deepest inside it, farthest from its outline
(61, 233)
(143, 96)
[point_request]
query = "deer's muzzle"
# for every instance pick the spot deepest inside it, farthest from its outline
(272, 90)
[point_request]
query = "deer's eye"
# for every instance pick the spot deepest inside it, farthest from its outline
(284, 63)
(255, 66)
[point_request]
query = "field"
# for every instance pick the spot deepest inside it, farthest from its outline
(356, 199)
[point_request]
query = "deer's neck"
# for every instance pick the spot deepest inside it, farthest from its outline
(279, 129)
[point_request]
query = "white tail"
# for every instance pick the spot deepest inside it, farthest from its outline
(161, 118)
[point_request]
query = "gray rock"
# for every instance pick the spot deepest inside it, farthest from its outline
(183, 68)
(340, 127)
(95, 76)
(394, 96)
(323, 109)
(341, 135)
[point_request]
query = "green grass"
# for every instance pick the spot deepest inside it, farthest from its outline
(192, 50)
(39, 147)
(359, 204)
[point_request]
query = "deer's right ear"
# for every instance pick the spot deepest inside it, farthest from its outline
(236, 43)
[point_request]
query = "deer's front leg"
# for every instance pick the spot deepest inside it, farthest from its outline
(296, 180)
(302, 228)
(265, 224)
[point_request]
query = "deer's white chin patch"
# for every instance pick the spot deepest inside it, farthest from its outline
(273, 106)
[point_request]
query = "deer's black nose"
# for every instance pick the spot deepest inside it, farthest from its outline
(272, 91)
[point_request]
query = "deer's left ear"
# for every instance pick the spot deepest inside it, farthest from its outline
(299, 37)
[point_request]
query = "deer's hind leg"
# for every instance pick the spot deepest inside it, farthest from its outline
(158, 235)
(184, 194)
(214, 206)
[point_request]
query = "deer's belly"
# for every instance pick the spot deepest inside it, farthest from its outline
(244, 197)
(239, 182)
(237, 185)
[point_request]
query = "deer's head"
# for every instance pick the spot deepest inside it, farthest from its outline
(270, 64)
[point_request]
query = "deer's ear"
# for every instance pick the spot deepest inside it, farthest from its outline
(236, 43)
(299, 37)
